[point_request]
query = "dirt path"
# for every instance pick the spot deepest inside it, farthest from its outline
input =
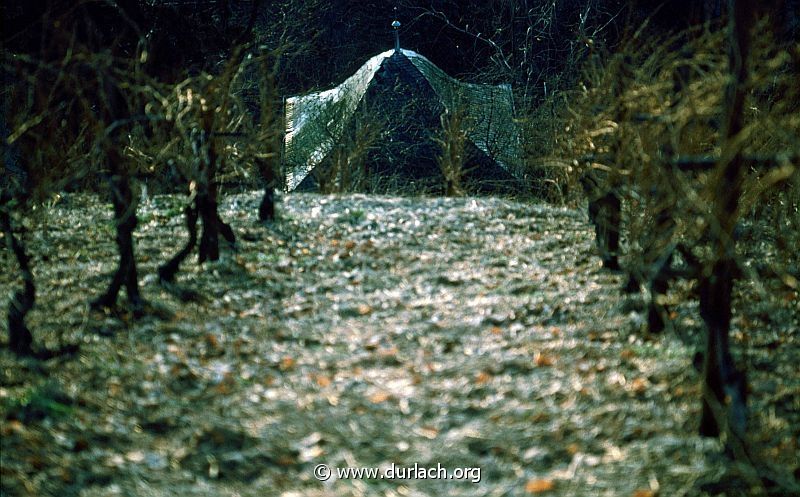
(357, 332)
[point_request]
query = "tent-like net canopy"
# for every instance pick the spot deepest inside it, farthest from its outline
(315, 122)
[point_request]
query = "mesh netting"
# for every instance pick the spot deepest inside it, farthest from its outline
(315, 122)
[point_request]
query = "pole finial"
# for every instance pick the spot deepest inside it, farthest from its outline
(396, 27)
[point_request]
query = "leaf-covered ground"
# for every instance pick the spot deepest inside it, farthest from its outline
(362, 331)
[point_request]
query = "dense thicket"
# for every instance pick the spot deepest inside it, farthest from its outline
(537, 46)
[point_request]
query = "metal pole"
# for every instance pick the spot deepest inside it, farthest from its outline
(396, 26)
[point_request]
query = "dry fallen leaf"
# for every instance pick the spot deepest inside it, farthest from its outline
(211, 341)
(380, 397)
(639, 385)
(482, 378)
(543, 360)
(429, 432)
(13, 427)
(286, 364)
(643, 493)
(539, 486)
(226, 385)
(322, 381)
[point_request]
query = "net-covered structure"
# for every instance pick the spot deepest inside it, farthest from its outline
(386, 120)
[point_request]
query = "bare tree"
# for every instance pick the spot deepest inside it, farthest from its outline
(67, 73)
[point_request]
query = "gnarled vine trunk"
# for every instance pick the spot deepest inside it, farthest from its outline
(19, 337)
(724, 387)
